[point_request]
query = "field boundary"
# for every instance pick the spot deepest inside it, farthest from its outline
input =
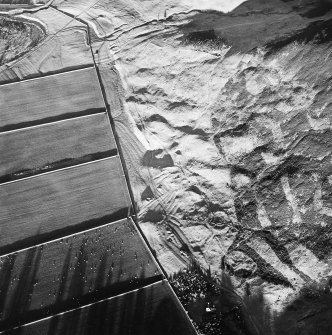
(51, 119)
(58, 165)
(63, 232)
(60, 238)
(51, 123)
(110, 292)
(62, 169)
(49, 74)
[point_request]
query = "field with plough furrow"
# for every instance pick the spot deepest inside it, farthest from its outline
(153, 309)
(50, 98)
(73, 257)
(52, 204)
(75, 270)
(38, 149)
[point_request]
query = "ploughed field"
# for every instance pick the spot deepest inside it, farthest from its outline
(68, 272)
(42, 148)
(51, 204)
(65, 239)
(17, 2)
(153, 310)
(224, 123)
(72, 260)
(50, 98)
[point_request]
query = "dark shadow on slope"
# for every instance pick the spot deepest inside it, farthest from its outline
(309, 314)
(316, 32)
(257, 24)
(222, 311)
(322, 245)
(217, 308)
(311, 8)
(157, 158)
(257, 313)
(211, 302)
